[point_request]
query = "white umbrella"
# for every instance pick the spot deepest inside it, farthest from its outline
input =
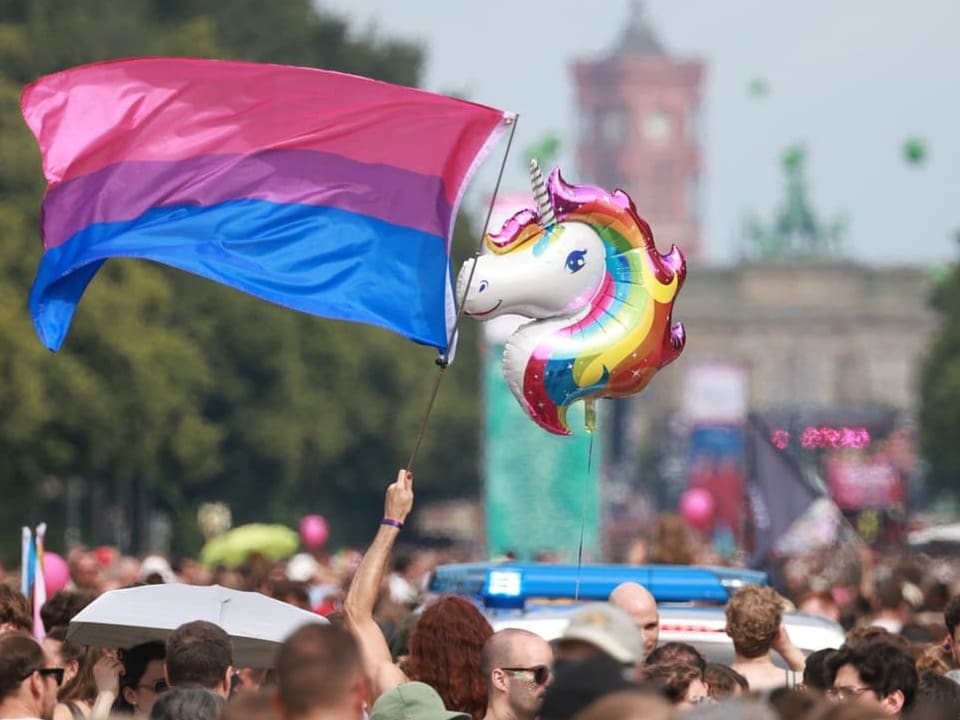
(937, 533)
(256, 623)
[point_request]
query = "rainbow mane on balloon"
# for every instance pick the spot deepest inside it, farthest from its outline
(585, 266)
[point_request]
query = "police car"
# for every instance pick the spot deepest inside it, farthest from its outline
(541, 597)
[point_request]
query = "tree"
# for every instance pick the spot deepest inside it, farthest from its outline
(940, 391)
(172, 390)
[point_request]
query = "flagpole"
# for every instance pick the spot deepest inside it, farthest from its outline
(444, 360)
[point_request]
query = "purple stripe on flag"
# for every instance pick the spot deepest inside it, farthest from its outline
(126, 190)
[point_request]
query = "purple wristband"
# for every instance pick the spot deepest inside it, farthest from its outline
(393, 523)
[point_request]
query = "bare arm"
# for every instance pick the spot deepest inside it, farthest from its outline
(106, 673)
(362, 596)
(788, 651)
(102, 706)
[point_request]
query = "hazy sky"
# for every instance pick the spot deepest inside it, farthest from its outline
(850, 79)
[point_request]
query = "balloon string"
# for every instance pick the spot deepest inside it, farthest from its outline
(583, 515)
(444, 359)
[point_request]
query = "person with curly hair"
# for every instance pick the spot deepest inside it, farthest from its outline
(875, 633)
(14, 610)
(877, 675)
(677, 652)
(724, 682)
(682, 684)
(755, 624)
(447, 640)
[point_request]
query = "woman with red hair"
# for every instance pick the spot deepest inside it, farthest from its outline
(447, 639)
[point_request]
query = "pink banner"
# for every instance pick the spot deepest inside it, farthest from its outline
(860, 485)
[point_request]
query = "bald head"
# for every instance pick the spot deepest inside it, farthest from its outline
(635, 600)
(512, 663)
(502, 647)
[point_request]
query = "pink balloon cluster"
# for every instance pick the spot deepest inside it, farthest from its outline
(314, 531)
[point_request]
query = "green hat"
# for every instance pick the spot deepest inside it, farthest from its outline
(413, 701)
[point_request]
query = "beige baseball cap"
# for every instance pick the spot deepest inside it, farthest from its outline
(608, 628)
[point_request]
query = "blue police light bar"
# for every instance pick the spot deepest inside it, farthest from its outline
(512, 584)
(504, 588)
(465, 579)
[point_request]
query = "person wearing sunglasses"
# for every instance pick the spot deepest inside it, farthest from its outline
(28, 680)
(516, 665)
(142, 680)
(89, 677)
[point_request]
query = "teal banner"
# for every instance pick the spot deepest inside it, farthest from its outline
(540, 488)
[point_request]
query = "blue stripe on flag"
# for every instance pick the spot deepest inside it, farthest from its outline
(31, 568)
(324, 261)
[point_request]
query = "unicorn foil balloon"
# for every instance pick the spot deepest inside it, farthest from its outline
(585, 269)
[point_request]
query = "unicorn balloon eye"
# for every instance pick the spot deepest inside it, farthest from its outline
(576, 260)
(585, 268)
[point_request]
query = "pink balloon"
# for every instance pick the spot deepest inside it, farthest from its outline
(56, 574)
(314, 531)
(697, 507)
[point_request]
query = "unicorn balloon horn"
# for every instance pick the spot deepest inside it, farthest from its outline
(540, 194)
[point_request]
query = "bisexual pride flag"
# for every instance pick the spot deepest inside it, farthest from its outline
(327, 193)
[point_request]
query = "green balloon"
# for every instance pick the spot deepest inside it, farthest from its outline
(544, 150)
(759, 87)
(915, 150)
(793, 157)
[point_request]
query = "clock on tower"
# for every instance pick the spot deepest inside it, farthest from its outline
(658, 126)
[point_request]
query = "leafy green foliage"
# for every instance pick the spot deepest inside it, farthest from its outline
(940, 391)
(172, 390)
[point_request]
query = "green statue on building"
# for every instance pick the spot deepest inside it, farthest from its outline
(796, 231)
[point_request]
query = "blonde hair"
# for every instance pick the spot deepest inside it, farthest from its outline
(930, 656)
(754, 615)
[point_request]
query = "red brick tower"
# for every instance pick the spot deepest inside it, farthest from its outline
(639, 130)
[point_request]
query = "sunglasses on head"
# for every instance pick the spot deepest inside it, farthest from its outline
(540, 673)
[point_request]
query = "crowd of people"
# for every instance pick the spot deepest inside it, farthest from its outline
(389, 652)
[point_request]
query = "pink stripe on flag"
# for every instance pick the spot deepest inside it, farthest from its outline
(167, 109)
(127, 190)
